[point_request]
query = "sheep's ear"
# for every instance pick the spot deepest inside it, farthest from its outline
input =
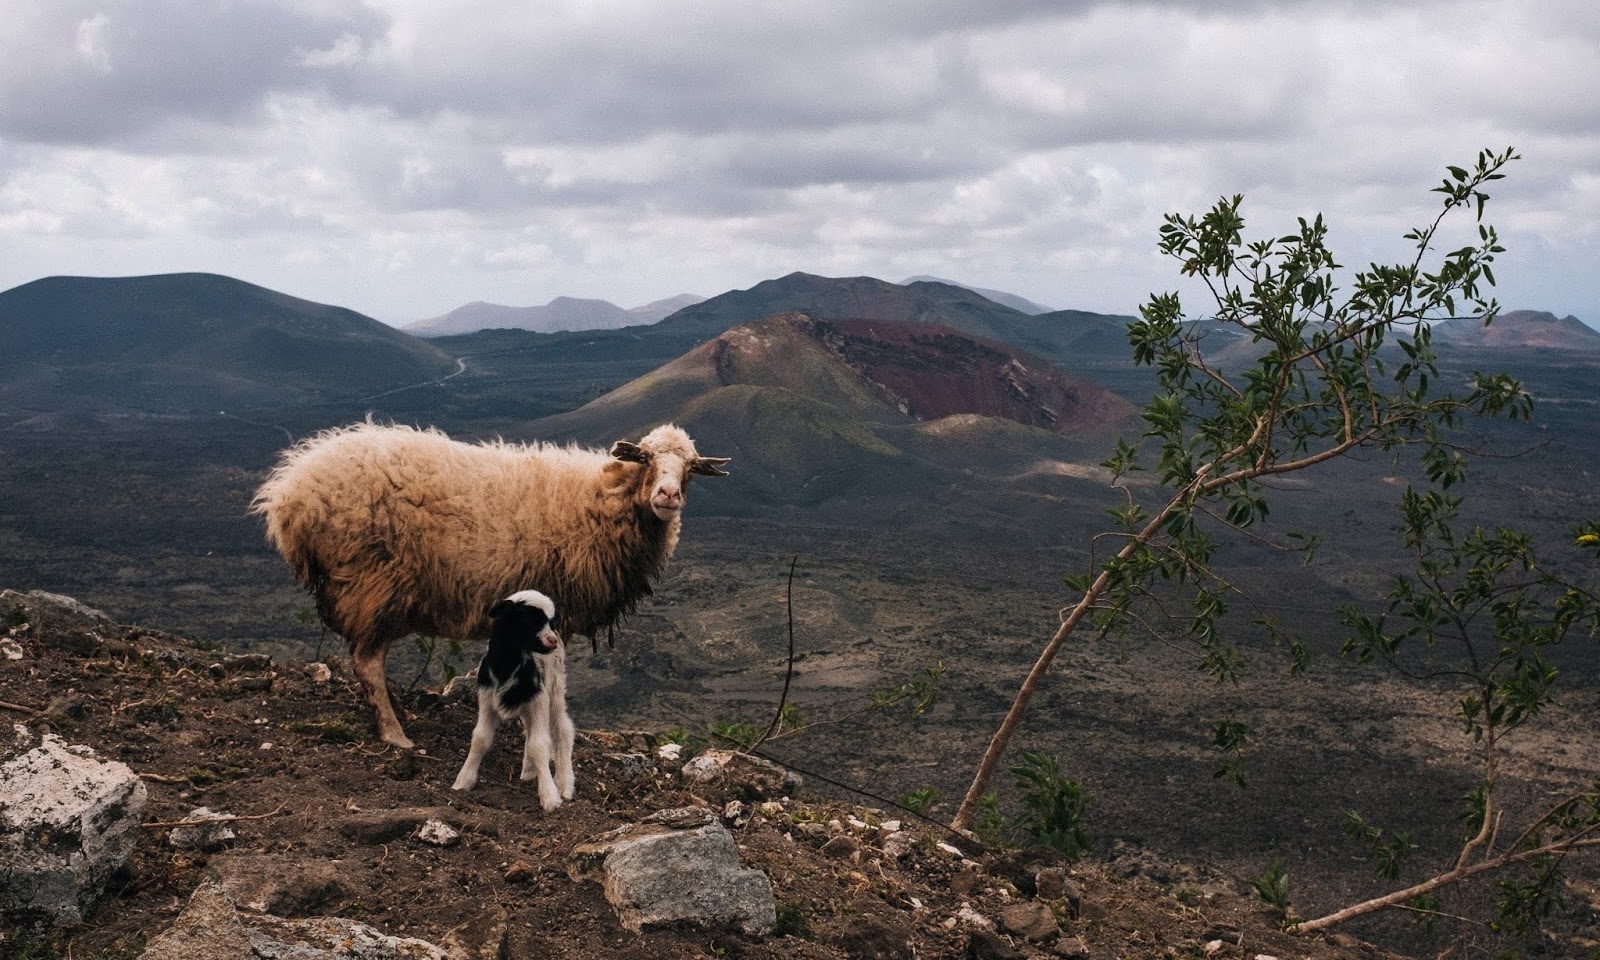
(500, 608)
(709, 466)
(631, 452)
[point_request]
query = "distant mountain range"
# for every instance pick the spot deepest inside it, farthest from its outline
(560, 314)
(1001, 297)
(188, 341)
(1520, 328)
(185, 342)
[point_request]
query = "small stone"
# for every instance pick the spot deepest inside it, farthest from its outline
(1265, 956)
(246, 663)
(842, 847)
(771, 808)
(669, 752)
(437, 833)
(1032, 920)
(627, 764)
(947, 848)
(968, 915)
(1212, 947)
(898, 844)
(858, 825)
(520, 871)
(1073, 948)
(319, 672)
(10, 649)
(733, 811)
(702, 769)
(206, 836)
(986, 945)
(889, 826)
(812, 829)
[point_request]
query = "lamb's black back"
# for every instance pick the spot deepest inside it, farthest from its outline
(513, 661)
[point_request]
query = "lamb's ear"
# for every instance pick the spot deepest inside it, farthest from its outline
(709, 466)
(631, 452)
(500, 608)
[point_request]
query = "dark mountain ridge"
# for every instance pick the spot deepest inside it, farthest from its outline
(177, 341)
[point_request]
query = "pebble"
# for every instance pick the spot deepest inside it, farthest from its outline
(947, 848)
(438, 833)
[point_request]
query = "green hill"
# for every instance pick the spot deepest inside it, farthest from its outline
(185, 341)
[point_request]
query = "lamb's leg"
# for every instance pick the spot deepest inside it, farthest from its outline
(482, 739)
(563, 737)
(536, 752)
(368, 666)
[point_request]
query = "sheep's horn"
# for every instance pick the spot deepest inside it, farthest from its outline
(709, 466)
(631, 452)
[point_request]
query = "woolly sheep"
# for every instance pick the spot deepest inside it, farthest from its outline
(396, 530)
(524, 674)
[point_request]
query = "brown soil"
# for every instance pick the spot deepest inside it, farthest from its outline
(198, 733)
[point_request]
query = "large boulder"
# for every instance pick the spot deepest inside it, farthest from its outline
(58, 620)
(677, 865)
(68, 824)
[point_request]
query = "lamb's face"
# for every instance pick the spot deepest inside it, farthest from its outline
(527, 617)
(669, 459)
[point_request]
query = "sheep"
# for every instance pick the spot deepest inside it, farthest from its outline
(397, 530)
(524, 674)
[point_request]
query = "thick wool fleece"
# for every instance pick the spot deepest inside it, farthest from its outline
(397, 530)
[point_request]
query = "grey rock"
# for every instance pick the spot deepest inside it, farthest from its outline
(1073, 948)
(58, 620)
(627, 764)
(841, 847)
(654, 874)
(897, 845)
(285, 886)
(437, 833)
(68, 823)
(751, 776)
(212, 928)
(1031, 920)
(207, 835)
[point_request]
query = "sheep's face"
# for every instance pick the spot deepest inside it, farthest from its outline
(669, 459)
(526, 619)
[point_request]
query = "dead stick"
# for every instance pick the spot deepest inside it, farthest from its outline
(17, 707)
(230, 818)
(158, 778)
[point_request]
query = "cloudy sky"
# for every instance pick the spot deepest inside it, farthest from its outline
(402, 157)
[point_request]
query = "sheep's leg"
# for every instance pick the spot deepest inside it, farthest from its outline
(482, 739)
(536, 753)
(368, 666)
(563, 736)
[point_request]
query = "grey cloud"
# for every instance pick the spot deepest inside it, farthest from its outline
(80, 72)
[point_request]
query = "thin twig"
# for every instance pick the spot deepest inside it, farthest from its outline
(18, 707)
(783, 700)
(229, 818)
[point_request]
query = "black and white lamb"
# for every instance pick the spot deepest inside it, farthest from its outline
(524, 674)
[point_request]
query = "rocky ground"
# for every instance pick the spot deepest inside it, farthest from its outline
(331, 825)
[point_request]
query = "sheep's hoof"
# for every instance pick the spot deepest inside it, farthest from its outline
(397, 739)
(462, 783)
(550, 804)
